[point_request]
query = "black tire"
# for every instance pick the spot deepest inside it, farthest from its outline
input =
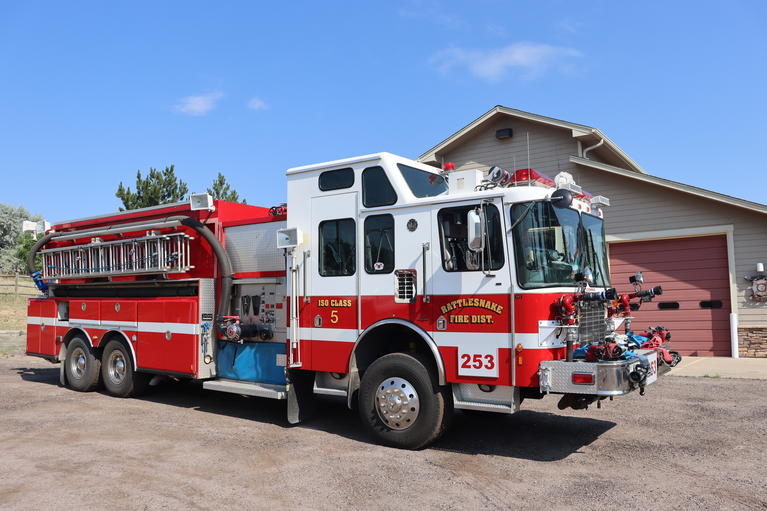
(392, 379)
(117, 372)
(81, 366)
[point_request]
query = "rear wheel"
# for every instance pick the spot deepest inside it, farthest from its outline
(117, 371)
(400, 402)
(81, 366)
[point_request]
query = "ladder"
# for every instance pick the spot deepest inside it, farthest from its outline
(153, 253)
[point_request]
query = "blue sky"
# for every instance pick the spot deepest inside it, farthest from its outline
(90, 92)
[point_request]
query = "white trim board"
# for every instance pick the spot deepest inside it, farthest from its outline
(727, 230)
(673, 185)
(576, 130)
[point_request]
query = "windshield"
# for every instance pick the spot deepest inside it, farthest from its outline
(553, 244)
(595, 248)
(423, 183)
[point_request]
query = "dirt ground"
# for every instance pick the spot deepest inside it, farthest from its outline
(689, 443)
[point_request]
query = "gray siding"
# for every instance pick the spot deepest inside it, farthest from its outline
(550, 148)
(636, 206)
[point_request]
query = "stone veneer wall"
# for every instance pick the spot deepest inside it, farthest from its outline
(752, 342)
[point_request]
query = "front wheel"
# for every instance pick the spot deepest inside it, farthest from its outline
(119, 376)
(400, 402)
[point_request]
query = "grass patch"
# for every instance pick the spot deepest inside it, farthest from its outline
(711, 376)
(13, 308)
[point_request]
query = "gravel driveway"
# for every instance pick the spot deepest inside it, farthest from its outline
(689, 443)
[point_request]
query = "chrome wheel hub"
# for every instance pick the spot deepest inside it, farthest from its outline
(397, 403)
(78, 364)
(116, 367)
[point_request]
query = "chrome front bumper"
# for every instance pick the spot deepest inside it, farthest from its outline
(610, 378)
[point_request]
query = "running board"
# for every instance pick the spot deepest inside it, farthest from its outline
(267, 390)
(483, 407)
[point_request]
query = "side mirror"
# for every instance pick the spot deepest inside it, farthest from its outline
(637, 278)
(475, 230)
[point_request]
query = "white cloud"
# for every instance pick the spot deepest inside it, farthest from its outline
(198, 105)
(530, 59)
(257, 104)
(433, 11)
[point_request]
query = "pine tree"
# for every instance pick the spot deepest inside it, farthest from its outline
(159, 187)
(223, 191)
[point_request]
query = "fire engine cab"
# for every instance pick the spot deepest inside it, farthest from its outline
(406, 289)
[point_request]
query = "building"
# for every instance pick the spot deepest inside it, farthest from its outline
(696, 243)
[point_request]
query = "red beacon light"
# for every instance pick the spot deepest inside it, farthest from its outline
(448, 166)
(530, 177)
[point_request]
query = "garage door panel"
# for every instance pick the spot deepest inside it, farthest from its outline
(720, 286)
(689, 275)
(691, 271)
(692, 243)
(663, 264)
(685, 324)
(686, 311)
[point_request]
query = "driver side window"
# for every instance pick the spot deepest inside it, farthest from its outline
(453, 234)
(337, 248)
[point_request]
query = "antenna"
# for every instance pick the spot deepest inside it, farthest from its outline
(528, 151)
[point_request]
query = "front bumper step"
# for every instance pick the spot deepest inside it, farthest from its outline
(609, 378)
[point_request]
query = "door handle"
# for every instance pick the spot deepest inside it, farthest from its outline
(303, 268)
(425, 248)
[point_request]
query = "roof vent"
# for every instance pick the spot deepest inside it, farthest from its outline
(503, 134)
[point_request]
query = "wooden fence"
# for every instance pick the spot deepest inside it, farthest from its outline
(18, 285)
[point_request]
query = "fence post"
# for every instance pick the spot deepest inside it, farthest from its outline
(16, 284)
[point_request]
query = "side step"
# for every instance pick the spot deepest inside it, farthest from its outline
(247, 388)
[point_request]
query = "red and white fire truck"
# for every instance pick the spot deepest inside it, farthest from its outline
(406, 289)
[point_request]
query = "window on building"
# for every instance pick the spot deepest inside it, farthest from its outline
(379, 244)
(376, 188)
(337, 248)
(456, 255)
(336, 179)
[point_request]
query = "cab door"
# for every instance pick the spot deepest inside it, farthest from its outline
(472, 302)
(396, 269)
(333, 282)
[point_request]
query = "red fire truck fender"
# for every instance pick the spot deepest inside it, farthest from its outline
(354, 380)
(108, 336)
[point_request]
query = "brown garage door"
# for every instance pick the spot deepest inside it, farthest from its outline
(695, 305)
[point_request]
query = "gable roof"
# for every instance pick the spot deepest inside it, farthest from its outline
(585, 134)
(673, 185)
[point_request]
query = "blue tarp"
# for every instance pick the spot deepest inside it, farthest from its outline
(254, 361)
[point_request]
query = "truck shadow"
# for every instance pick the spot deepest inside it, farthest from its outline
(528, 435)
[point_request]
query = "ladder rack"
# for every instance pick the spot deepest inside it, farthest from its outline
(153, 253)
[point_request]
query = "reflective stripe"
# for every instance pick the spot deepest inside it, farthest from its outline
(474, 340)
(150, 327)
(175, 328)
(330, 334)
(79, 321)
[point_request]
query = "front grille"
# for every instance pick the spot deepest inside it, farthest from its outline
(591, 322)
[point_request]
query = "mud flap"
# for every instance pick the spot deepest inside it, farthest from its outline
(301, 405)
(62, 361)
